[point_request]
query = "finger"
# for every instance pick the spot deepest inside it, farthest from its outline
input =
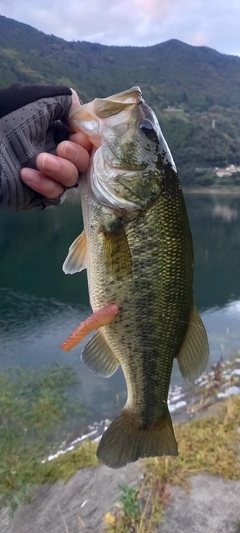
(82, 140)
(75, 153)
(41, 183)
(59, 169)
(75, 100)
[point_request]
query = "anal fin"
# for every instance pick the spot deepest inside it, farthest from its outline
(194, 353)
(99, 357)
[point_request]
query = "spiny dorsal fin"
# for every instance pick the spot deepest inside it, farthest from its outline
(194, 353)
(99, 357)
(76, 259)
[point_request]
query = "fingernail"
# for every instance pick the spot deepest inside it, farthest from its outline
(70, 151)
(50, 163)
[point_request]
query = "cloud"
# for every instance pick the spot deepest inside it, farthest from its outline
(133, 22)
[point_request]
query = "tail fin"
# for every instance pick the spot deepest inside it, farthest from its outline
(124, 442)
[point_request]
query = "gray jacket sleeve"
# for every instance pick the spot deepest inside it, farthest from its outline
(25, 133)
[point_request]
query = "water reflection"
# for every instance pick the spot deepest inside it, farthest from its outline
(225, 212)
(216, 249)
(31, 332)
(40, 306)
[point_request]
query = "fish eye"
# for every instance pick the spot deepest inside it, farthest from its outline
(147, 128)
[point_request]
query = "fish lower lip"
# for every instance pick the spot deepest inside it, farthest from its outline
(116, 167)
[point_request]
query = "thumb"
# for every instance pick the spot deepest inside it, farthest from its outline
(76, 102)
(75, 105)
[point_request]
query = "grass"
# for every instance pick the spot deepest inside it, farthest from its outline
(34, 409)
(209, 444)
(66, 465)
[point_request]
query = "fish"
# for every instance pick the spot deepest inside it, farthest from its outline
(138, 251)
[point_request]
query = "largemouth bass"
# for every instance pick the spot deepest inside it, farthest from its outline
(137, 248)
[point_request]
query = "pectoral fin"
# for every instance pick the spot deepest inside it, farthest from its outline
(99, 357)
(194, 353)
(76, 259)
(101, 318)
(116, 252)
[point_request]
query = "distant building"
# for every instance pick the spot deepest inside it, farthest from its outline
(227, 171)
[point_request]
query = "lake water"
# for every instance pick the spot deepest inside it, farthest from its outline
(40, 306)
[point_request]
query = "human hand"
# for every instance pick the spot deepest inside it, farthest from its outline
(35, 146)
(60, 171)
(57, 172)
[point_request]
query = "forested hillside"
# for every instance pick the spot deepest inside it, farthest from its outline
(195, 91)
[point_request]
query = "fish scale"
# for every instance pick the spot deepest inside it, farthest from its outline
(140, 259)
(158, 248)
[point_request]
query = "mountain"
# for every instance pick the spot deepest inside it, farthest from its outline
(195, 91)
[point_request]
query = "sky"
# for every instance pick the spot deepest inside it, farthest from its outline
(213, 23)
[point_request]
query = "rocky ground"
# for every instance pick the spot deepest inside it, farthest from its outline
(80, 505)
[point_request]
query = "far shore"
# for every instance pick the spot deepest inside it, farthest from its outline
(209, 190)
(74, 196)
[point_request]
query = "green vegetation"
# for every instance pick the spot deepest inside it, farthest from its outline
(194, 90)
(33, 409)
(129, 502)
(32, 406)
(209, 444)
(198, 147)
(128, 511)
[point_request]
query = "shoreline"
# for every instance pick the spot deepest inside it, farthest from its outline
(234, 191)
(194, 491)
(184, 402)
(74, 197)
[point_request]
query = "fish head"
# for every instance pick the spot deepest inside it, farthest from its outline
(130, 153)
